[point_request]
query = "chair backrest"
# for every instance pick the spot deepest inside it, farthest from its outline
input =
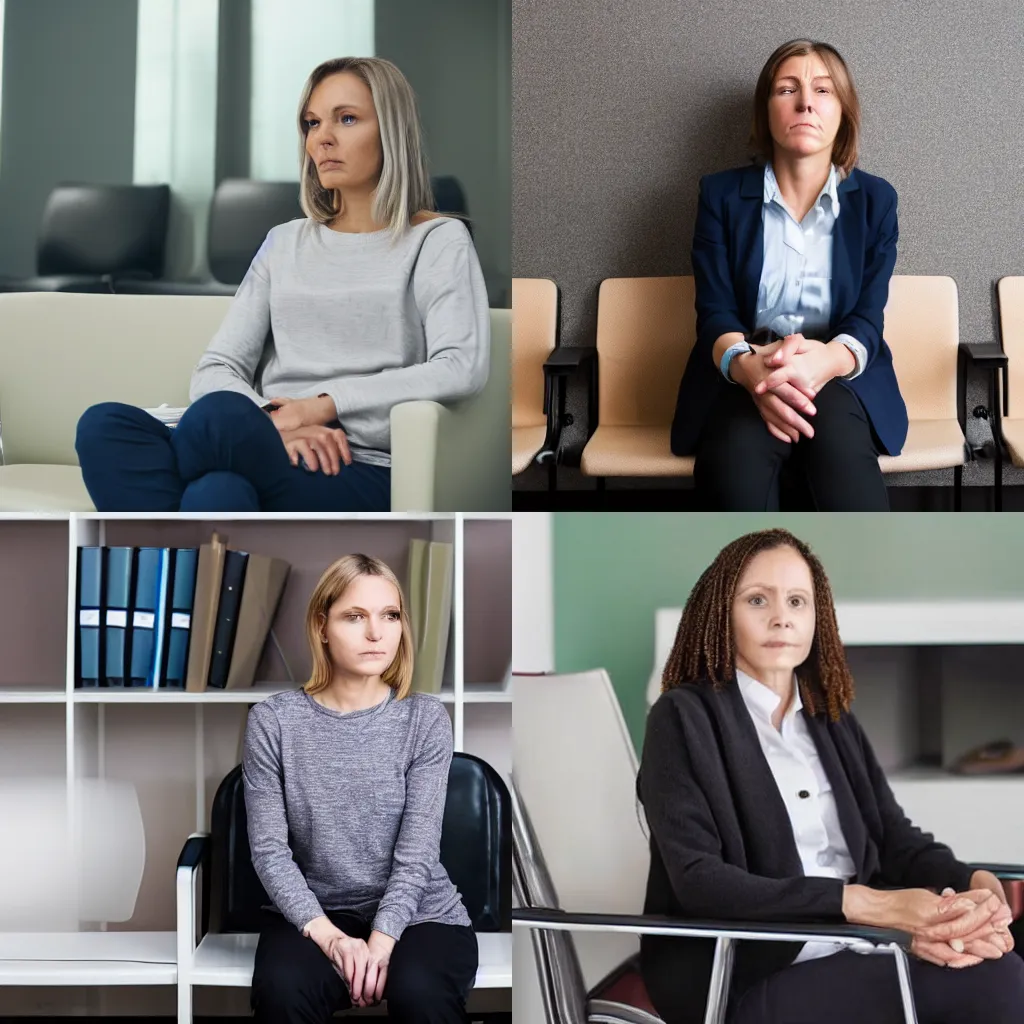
(138, 349)
(241, 213)
(1010, 293)
(476, 850)
(646, 328)
(449, 197)
(103, 229)
(922, 328)
(575, 768)
(534, 336)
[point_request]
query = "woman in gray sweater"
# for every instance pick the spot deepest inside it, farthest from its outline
(345, 784)
(369, 301)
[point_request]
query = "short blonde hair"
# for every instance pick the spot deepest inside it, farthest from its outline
(335, 580)
(404, 185)
(844, 148)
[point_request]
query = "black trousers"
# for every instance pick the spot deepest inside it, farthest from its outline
(430, 974)
(740, 465)
(857, 988)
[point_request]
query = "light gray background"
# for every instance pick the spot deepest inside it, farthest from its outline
(620, 107)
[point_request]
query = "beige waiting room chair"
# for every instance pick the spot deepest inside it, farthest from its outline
(534, 337)
(646, 332)
(61, 353)
(1010, 295)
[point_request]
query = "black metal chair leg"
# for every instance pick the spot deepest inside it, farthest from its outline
(958, 486)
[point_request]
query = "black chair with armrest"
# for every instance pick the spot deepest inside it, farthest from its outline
(94, 236)
(219, 894)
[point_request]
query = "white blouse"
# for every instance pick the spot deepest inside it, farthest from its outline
(805, 790)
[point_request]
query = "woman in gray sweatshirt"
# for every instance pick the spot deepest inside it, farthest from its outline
(369, 301)
(345, 784)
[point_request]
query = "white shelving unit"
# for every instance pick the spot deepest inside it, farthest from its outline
(175, 747)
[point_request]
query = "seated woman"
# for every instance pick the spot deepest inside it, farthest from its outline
(792, 262)
(345, 784)
(370, 301)
(766, 803)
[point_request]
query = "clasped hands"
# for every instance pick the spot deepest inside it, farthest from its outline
(362, 965)
(302, 424)
(784, 377)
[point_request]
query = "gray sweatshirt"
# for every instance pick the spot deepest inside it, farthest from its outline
(366, 320)
(345, 809)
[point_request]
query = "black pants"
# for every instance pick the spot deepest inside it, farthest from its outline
(430, 974)
(857, 988)
(739, 464)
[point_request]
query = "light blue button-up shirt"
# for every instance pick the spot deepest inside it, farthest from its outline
(795, 292)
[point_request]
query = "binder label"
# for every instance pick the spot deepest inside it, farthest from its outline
(144, 620)
(180, 620)
(89, 617)
(117, 617)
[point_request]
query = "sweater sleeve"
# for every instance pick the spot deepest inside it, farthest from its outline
(908, 856)
(683, 827)
(231, 360)
(418, 847)
(268, 820)
(450, 294)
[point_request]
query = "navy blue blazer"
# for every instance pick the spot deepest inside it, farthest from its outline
(728, 255)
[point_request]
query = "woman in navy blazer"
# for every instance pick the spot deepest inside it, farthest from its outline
(792, 261)
(766, 804)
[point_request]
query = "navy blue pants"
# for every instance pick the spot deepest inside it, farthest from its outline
(857, 988)
(225, 455)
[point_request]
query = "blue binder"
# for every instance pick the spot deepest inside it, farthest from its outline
(179, 626)
(120, 585)
(89, 649)
(149, 611)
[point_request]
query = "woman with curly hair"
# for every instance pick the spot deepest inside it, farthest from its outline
(766, 804)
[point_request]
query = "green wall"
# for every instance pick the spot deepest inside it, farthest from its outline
(612, 570)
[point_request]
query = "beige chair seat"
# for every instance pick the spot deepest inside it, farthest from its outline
(1013, 435)
(39, 488)
(633, 451)
(931, 444)
(526, 442)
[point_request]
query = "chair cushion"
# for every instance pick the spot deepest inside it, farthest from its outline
(633, 451)
(526, 442)
(163, 287)
(82, 283)
(623, 995)
(1013, 433)
(931, 444)
(29, 488)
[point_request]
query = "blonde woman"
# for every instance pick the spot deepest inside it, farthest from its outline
(369, 301)
(345, 783)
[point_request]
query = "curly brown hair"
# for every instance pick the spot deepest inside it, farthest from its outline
(704, 649)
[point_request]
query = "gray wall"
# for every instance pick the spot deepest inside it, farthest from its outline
(68, 109)
(619, 108)
(456, 54)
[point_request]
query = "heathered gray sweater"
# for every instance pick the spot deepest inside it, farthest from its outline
(366, 320)
(345, 809)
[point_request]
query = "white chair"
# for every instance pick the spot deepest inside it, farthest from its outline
(61, 353)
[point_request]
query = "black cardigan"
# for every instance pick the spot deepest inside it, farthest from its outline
(722, 846)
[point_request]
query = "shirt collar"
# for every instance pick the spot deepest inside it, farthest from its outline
(831, 189)
(761, 700)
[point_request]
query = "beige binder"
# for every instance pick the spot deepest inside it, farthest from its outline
(204, 613)
(430, 579)
(264, 584)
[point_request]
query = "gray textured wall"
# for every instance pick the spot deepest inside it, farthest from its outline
(68, 109)
(619, 108)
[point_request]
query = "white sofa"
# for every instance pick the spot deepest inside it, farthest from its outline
(61, 353)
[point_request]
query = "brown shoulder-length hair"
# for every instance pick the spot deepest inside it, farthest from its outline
(844, 149)
(333, 584)
(704, 649)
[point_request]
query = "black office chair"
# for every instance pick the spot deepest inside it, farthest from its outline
(476, 851)
(242, 212)
(91, 236)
